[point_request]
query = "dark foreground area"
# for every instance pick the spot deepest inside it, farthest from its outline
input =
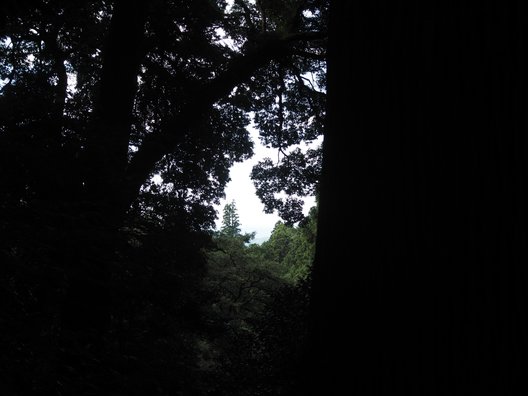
(115, 284)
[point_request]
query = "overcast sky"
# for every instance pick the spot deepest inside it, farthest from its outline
(241, 190)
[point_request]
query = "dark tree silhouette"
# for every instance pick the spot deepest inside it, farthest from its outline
(427, 121)
(155, 81)
(97, 97)
(156, 92)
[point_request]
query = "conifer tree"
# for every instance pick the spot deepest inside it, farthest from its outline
(230, 221)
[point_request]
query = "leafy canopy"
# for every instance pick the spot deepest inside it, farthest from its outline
(98, 96)
(101, 268)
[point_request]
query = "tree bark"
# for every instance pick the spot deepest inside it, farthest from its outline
(108, 142)
(425, 292)
(87, 252)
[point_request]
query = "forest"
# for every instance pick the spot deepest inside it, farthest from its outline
(119, 122)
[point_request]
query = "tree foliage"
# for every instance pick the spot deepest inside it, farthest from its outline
(98, 96)
(258, 310)
(296, 175)
(292, 248)
(230, 221)
(102, 271)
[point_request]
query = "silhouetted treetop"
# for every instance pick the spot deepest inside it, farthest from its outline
(230, 221)
(111, 93)
(119, 121)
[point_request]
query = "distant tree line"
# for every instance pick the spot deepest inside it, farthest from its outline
(259, 306)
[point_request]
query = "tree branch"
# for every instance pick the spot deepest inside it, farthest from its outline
(247, 14)
(310, 91)
(280, 94)
(165, 140)
(59, 56)
(259, 52)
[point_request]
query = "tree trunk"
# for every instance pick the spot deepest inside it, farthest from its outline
(424, 292)
(108, 141)
(90, 246)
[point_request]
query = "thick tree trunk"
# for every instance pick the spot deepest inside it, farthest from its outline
(425, 291)
(87, 252)
(108, 140)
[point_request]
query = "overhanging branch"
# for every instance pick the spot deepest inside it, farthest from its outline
(241, 68)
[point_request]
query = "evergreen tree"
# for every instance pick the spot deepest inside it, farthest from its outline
(230, 221)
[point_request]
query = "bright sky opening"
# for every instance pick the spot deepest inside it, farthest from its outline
(241, 189)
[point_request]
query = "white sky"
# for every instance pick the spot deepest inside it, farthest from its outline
(241, 189)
